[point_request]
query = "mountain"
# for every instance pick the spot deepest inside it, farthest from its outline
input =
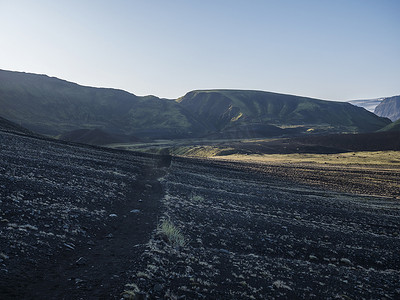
(389, 108)
(8, 126)
(51, 106)
(96, 137)
(224, 110)
(368, 104)
(395, 126)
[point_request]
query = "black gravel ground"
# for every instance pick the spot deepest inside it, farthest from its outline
(80, 222)
(253, 236)
(72, 218)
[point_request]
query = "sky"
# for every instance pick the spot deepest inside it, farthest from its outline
(326, 49)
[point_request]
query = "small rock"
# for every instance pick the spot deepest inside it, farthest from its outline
(112, 215)
(281, 285)
(109, 236)
(345, 261)
(135, 211)
(78, 280)
(4, 256)
(81, 261)
(69, 246)
(312, 257)
(224, 251)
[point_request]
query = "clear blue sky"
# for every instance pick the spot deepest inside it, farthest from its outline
(333, 49)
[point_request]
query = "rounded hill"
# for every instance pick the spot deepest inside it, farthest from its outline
(223, 109)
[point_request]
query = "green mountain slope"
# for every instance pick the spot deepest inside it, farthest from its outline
(52, 106)
(224, 109)
(395, 126)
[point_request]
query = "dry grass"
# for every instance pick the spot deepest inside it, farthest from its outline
(132, 292)
(171, 234)
(388, 159)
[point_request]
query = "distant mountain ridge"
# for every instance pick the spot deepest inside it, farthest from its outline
(52, 106)
(389, 108)
(368, 104)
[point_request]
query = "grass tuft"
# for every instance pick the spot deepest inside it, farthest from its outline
(171, 234)
(131, 293)
(197, 198)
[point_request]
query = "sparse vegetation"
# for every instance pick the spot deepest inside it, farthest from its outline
(383, 158)
(132, 292)
(171, 234)
(197, 198)
(251, 234)
(67, 197)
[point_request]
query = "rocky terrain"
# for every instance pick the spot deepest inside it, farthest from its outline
(72, 218)
(373, 180)
(250, 235)
(81, 222)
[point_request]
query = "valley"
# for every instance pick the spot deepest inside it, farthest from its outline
(219, 194)
(200, 150)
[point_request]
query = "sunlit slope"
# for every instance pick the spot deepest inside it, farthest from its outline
(52, 106)
(229, 108)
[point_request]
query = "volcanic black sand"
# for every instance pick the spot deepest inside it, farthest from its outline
(73, 220)
(81, 222)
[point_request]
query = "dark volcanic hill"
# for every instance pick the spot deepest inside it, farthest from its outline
(389, 108)
(51, 106)
(227, 109)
